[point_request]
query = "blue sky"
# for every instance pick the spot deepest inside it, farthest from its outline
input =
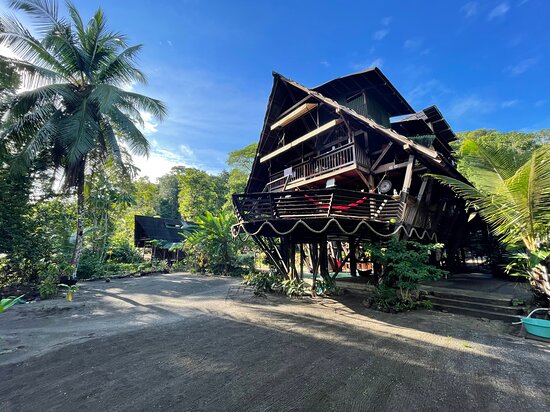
(484, 63)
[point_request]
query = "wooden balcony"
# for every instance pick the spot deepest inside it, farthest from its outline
(345, 158)
(322, 203)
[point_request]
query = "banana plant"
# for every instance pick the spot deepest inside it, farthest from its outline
(71, 290)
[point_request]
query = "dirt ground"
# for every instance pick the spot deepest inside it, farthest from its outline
(189, 342)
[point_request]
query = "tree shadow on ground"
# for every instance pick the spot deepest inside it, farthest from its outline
(274, 361)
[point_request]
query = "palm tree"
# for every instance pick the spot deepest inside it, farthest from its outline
(511, 191)
(73, 104)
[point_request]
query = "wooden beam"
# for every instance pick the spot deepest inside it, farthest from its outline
(294, 106)
(389, 166)
(382, 155)
(301, 139)
(295, 114)
(408, 175)
(363, 178)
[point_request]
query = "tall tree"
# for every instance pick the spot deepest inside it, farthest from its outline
(169, 192)
(201, 192)
(74, 105)
(240, 164)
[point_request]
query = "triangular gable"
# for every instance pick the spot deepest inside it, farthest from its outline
(284, 87)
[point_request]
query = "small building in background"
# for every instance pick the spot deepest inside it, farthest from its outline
(162, 236)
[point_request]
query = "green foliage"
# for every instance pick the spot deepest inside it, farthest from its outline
(49, 278)
(70, 290)
(293, 287)
(518, 142)
(261, 281)
(200, 192)
(90, 266)
(405, 264)
(212, 245)
(242, 159)
(327, 287)
(510, 189)
(123, 252)
(73, 107)
(7, 303)
(240, 163)
(168, 186)
(523, 263)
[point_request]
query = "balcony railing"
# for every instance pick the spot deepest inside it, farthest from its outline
(323, 203)
(328, 162)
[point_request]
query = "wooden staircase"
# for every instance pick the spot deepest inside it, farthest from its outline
(470, 303)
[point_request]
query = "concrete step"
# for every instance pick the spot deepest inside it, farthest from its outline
(478, 313)
(509, 310)
(472, 296)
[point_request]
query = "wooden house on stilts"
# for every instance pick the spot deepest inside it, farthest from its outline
(333, 171)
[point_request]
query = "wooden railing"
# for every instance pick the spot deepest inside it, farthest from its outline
(328, 162)
(317, 203)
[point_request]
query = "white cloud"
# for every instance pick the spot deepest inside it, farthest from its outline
(169, 42)
(469, 104)
(509, 103)
(499, 11)
(380, 34)
(162, 159)
(386, 21)
(363, 66)
(522, 66)
(427, 92)
(128, 87)
(325, 63)
(470, 9)
(187, 151)
(149, 126)
(413, 44)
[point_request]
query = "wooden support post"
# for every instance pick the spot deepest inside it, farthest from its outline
(408, 177)
(352, 256)
(302, 258)
(323, 258)
(292, 260)
(314, 256)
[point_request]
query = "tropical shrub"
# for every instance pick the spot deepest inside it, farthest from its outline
(124, 252)
(210, 246)
(262, 282)
(403, 266)
(293, 287)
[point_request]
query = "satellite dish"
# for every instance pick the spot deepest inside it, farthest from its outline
(384, 186)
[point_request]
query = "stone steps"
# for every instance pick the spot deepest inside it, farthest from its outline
(474, 304)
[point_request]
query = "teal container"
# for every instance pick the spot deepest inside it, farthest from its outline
(537, 327)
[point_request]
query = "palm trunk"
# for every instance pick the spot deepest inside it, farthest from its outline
(540, 279)
(79, 222)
